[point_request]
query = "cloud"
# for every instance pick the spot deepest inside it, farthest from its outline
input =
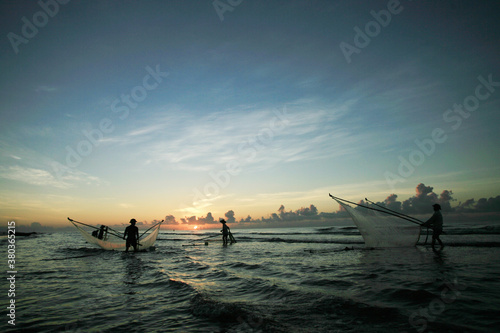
(256, 137)
(392, 203)
(146, 130)
(308, 211)
(125, 205)
(425, 197)
(248, 219)
(193, 220)
(302, 214)
(32, 176)
(482, 205)
(38, 131)
(230, 216)
(209, 219)
(189, 220)
(46, 89)
(488, 205)
(170, 219)
(31, 167)
(421, 202)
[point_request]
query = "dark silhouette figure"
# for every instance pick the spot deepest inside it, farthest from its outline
(132, 235)
(436, 223)
(225, 231)
(102, 232)
(95, 233)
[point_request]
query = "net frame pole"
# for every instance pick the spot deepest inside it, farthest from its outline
(390, 210)
(375, 209)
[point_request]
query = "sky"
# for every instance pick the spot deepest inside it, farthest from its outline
(112, 110)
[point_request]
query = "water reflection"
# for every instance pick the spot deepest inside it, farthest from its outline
(134, 268)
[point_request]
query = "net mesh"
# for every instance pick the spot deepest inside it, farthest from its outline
(383, 230)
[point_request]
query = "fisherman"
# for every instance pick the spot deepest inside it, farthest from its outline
(102, 232)
(225, 231)
(95, 233)
(132, 235)
(436, 223)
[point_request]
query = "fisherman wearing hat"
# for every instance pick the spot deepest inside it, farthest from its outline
(132, 235)
(225, 231)
(436, 223)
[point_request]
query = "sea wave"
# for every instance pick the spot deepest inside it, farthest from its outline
(276, 281)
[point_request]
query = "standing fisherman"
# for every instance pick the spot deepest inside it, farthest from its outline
(103, 231)
(132, 235)
(436, 223)
(225, 231)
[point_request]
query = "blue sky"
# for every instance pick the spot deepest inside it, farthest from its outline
(120, 109)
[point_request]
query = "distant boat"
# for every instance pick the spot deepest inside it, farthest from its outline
(114, 241)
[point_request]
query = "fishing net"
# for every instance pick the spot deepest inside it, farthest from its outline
(112, 242)
(383, 230)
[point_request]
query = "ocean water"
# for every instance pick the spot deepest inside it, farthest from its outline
(271, 280)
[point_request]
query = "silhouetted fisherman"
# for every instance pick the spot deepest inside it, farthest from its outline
(436, 223)
(225, 231)
(132, 235)
(102, 232)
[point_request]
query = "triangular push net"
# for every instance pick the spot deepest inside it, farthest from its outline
(114, 243)
(383, 230)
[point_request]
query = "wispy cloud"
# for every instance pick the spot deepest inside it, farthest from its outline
(202, 206)
(256, 137)
(147, 130)
(46, 89)
(39, 131)
(32, 176)
(348, 191)
(32, 167)
(125, 205)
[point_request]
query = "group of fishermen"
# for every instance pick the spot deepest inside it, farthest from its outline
(131, 233)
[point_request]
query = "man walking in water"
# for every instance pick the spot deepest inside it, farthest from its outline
(225, 231)
(436, 223)
(132, 235)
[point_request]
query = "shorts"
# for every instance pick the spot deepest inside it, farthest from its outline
(131, 242)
